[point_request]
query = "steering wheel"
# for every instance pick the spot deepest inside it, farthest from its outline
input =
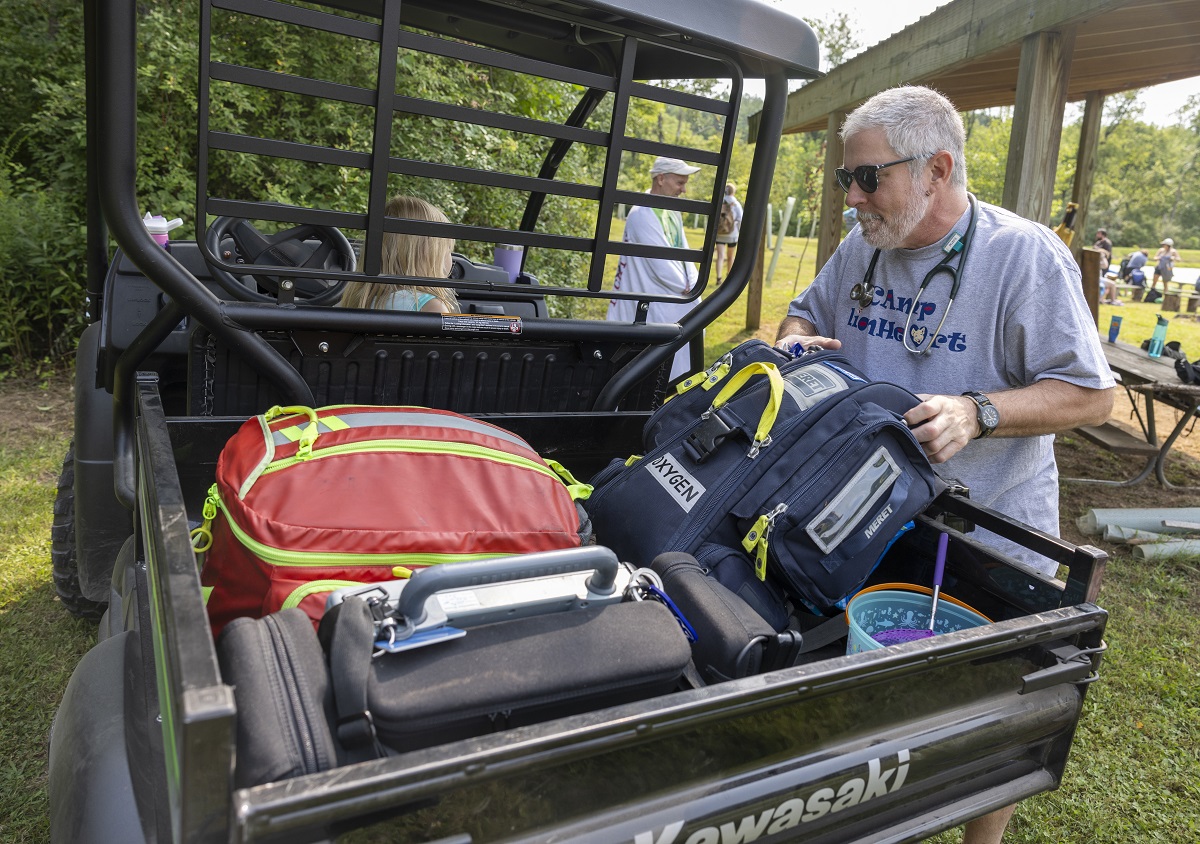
(235, 239)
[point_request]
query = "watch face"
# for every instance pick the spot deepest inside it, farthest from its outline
(989, 416)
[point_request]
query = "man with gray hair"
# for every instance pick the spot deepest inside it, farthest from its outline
(976, 310)
(635, 274)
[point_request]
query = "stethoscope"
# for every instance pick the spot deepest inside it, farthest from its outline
(864, 291)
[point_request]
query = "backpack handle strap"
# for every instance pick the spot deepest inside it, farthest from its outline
(762, 433)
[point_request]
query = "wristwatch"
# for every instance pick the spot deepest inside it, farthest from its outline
(985, 413)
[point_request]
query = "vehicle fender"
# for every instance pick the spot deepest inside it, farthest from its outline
(90, 786)
(101, 523)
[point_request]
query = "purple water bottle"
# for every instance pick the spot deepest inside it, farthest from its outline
(509, 257)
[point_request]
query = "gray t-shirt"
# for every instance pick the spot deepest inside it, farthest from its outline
(1019, 317)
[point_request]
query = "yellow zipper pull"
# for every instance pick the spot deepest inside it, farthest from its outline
(202, 536)
(756, 541)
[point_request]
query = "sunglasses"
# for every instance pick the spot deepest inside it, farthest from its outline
(867, 175)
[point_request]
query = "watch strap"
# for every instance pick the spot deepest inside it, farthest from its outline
(982, 402)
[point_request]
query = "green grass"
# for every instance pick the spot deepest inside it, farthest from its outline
(39, 643)
(1134, 772)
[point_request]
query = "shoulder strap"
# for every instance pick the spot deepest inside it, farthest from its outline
(350, 651)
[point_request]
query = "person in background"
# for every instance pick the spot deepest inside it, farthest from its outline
(727, 241)
(658, 227)
(1108, 285)
(997, 373)
(409, 255)
(1164, 265)
(1131, 267)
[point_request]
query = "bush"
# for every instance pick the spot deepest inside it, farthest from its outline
(42, 244)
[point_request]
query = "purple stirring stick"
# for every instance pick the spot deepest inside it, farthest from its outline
(899, 635)
(939, 569)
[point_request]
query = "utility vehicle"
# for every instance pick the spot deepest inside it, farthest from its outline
(186, 343)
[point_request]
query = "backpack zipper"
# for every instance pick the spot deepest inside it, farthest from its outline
(313, 587)
(282, 557)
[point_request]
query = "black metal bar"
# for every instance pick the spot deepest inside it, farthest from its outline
(644, 250)
(97, 230)
(700, 156)
(280, 213)
(513, 123)
(654, 200)
(263, 317)
(488, 178)
(372, 252)
(298, 16)
(558, 151)
(757, 193)
(503, 61)
(117, 124)
(670, 96)
(612, 163)
(124, 373)
(291, 150)
(290, 84)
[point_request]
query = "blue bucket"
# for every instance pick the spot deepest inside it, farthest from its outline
(900, 605)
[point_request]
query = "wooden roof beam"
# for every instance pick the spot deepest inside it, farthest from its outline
(961, 31)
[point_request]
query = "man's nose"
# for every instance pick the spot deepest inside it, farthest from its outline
(856, 196)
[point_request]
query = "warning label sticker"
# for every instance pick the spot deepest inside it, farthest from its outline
(482, 324)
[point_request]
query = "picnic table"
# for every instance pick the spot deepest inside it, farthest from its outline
(1154, 379)
(1180, 289)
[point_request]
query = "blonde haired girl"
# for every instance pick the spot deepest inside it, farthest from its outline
(411, 255)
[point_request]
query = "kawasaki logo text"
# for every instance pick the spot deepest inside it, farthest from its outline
(789, 814)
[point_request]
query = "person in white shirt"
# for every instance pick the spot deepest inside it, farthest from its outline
(658, 227)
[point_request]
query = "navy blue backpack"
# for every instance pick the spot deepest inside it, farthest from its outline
(786, 478)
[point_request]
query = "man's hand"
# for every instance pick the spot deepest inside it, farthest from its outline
(795, 330)
(943, 425)
(808, 342)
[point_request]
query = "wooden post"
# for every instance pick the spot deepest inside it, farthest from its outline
(1036, 130)
(1085, 169)
(754, 288)
(829, 234)
(1089, 266)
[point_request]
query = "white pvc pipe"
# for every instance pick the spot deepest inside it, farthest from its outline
(1092, 523)
(1118, 534)
(1171, 548)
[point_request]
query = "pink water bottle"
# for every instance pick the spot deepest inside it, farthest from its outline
(159, 228)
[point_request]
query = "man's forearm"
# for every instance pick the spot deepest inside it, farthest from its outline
(795, 325)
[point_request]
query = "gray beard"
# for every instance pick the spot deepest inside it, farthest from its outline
(890, 234)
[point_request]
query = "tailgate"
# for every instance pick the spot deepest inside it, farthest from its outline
(891, 745)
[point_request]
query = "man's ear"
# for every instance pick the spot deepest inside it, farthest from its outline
(941, 165)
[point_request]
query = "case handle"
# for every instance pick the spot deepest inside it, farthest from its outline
(429, 581)
(762, 434)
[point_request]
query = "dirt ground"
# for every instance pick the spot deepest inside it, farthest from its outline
(31, 411)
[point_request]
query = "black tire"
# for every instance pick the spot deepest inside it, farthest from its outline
(64, 564)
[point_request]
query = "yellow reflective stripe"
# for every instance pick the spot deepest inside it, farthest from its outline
(292, 433)
(419, 447)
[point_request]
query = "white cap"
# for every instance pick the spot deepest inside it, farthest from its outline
(672, 165)
(160, 225)
(1166, 241)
